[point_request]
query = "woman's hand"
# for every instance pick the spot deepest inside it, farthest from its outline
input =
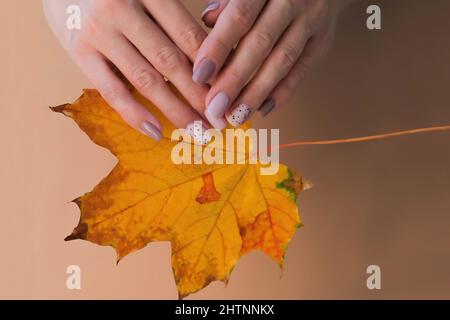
(278, 41)
(146, 40)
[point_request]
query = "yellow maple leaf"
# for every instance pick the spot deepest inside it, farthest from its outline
(211, 214)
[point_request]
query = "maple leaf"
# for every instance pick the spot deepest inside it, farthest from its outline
(211, 214)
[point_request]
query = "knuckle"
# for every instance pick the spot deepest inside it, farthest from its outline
(137, 26)
(243, 14)
(288, 56)
(167, 58)
(192, 37)
(263, 39)
(144, 79)
(235, 77)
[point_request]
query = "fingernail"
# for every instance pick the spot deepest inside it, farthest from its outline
(199, 132)
(266, 107)
(213, 5)
(151, 130)
(239, 115)
(204, 71)
(217, 123)
(216, 110)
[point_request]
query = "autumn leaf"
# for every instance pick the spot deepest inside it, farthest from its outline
(211, 214)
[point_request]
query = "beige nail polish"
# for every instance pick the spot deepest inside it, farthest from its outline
(239, 115)
(199, 132)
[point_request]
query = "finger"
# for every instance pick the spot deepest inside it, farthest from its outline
(212, 11)
(116, 94)
(178, 23)
(150, 83)
(314, 51)
(251, 52)
(234, 22)
(275, 68)
(165, 57)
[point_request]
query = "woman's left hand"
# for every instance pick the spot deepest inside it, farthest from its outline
(278, 41)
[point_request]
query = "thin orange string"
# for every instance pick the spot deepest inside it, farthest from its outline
(366, 138)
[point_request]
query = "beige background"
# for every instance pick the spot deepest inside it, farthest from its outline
(384, 203)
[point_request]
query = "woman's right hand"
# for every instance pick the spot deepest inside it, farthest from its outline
(121, 34)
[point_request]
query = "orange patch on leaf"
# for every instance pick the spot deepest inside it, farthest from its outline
(208, 193)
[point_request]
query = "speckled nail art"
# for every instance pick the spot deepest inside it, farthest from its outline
(199, 132)
(239, 115)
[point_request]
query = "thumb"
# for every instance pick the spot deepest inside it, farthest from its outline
(213, 11)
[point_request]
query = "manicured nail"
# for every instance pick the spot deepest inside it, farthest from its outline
(266, 107)
(239, 115)
(217, 123)
(213, 5)
(216, 110)
(151, 130)
(199, 132)
(204, 71)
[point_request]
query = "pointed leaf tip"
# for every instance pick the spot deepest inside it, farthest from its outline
(80, 232)
(59, 108)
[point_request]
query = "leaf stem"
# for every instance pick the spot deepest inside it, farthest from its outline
(365, 138)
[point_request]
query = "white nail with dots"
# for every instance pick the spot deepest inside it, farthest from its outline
(199, 132)
(239, 115)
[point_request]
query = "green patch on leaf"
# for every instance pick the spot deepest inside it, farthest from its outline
(292, 184)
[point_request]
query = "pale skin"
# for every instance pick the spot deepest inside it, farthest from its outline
(150, 41)
(278, 42)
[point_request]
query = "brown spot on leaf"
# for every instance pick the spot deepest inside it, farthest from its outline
(208, 193)
(294, 183)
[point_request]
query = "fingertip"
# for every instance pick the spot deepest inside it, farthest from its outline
(267, 107)
(204, 71)
(210, 8)
(239, 115)
(199, 132)
(150, 130)
(210, 18)
(212, 12)
(218, 122)
(150, 118)
(148, 124)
